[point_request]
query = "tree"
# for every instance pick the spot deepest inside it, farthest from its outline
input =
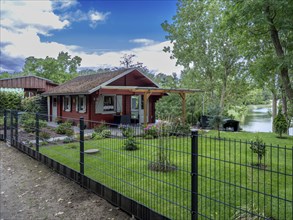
(128, 62)
(280, 123)
(268, 23)
(203, 46)
(58, 70)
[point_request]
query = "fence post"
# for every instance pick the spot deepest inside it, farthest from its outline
(194, 174)
(16, 127)
(81, 144)
(37, 132)
(11, 127)
(5, 125)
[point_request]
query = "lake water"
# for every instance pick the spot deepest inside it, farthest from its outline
(259, 120)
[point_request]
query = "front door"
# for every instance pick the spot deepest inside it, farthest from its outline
(137, 109)
(54, 107)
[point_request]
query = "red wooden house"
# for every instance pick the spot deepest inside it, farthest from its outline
(121, 96)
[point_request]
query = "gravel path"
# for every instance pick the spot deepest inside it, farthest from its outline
(30, 190)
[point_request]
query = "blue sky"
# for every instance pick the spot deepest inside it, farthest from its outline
(100, 32)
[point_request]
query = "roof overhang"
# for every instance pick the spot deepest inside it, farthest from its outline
(151, 89)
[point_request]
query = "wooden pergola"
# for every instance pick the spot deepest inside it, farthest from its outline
(148, 91)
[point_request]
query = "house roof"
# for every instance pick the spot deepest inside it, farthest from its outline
(28, 82)
(29, 77)
(88, 84)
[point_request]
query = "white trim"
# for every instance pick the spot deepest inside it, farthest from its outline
(69, 103)
(84, 103)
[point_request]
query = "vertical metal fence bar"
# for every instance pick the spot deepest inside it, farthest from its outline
(5, 125)
(11, 127)
(16, 127)
(194, 174)
(81, 145)
(37, 132)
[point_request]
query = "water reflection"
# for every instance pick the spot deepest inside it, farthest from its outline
(259, 120)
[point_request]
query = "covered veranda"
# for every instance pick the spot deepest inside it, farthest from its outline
(147, 92)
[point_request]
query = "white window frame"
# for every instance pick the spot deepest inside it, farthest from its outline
(101, 101)
(83, 110)
(114, 104)
(68, 107)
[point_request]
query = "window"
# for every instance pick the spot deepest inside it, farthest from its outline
(108, 104)
(66, 103)
(81, 104)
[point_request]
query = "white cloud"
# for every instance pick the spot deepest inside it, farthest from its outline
(22, 22)
(143, 41)
(95, 17)
(151, 56)
(19, 15)
(63, 4)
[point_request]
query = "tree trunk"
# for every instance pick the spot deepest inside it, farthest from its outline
(223, 94)
(284, 74)
(274, 107)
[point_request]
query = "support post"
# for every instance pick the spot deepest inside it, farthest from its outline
(81, 145)
(194, 174)
(5, 125)
(16, 127)
(11, 127)
(37, 132)
(145, 106)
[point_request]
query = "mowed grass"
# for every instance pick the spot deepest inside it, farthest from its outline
(228, 184)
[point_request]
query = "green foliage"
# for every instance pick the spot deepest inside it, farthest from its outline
(162, 162)
(44, 135)
(100, 127)
(10, 100)
(106, 133)
(258, 147)
(151, 131)
(30, 104)
(126, 131)
(216, 120)
(58, 70)
(130, 144)
(28, 122)
(97, 136)
(64, 128)
(280, 123)
(68, 140)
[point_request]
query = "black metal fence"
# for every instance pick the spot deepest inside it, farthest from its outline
(163, 170)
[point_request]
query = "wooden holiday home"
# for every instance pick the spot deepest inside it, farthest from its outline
(122, 97)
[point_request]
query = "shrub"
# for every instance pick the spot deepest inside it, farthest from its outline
(130, 144)
(162, 162)
(258, 147)
(64, 128)
(44, 135)
(31, 104)
(28, 122)
(97, 136)
(106, 133)
(151, 131)
(100, 127)
(68, 140)
(280, 123)
(126, 131)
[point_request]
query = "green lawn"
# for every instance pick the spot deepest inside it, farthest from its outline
(227, 182)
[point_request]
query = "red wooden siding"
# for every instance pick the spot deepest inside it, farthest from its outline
(29, 82)
(133, 79)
